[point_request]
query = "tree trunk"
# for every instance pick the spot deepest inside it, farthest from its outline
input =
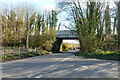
(119, 23)
(27, 35)
(114, 25)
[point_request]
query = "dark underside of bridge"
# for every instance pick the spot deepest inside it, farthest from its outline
(58, 42)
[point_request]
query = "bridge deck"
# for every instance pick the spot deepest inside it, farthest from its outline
(67, 34)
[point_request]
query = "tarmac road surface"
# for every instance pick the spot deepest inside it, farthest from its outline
(60, 65)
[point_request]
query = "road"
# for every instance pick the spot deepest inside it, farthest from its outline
(60, 65)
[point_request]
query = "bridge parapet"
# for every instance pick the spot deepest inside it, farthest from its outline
(67, 34)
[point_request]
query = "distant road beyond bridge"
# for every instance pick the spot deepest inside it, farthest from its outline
(63, 34)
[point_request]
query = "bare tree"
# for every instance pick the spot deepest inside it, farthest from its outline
(27, 34)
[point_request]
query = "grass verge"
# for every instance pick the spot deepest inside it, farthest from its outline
(9, 57)
(101, 55)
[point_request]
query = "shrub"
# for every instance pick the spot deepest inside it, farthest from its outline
(17, 55)
(33, 54)
(24, 55)
(97, 51)
(3, 58)
(9, 57)
(66, 49)
(49, 52)
(99, 54)
(43, 51)
(63, 47)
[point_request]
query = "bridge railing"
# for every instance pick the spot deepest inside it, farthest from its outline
(67, 36)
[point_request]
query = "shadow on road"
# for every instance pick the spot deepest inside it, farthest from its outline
(61, 65)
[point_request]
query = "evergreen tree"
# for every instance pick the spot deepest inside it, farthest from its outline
(47, 25)
(38, 25)
(107, 20)
(43, 25)
(54, 19)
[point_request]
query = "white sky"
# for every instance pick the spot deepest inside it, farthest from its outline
(46, 4)
(39, 4)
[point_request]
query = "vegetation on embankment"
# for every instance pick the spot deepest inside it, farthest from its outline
(98, 54)
(94, 29)
(40, 31)
(9, 57)
(24, 29)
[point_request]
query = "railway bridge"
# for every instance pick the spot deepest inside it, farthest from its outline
(63, 34)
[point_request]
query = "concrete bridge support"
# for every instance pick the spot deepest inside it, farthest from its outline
(56, 46)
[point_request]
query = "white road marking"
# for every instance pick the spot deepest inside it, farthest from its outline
(55, 65)
(29, 76)
(39, 76)
(60, 61)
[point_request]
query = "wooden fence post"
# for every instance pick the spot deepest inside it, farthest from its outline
(35, 50)
(4, 53)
